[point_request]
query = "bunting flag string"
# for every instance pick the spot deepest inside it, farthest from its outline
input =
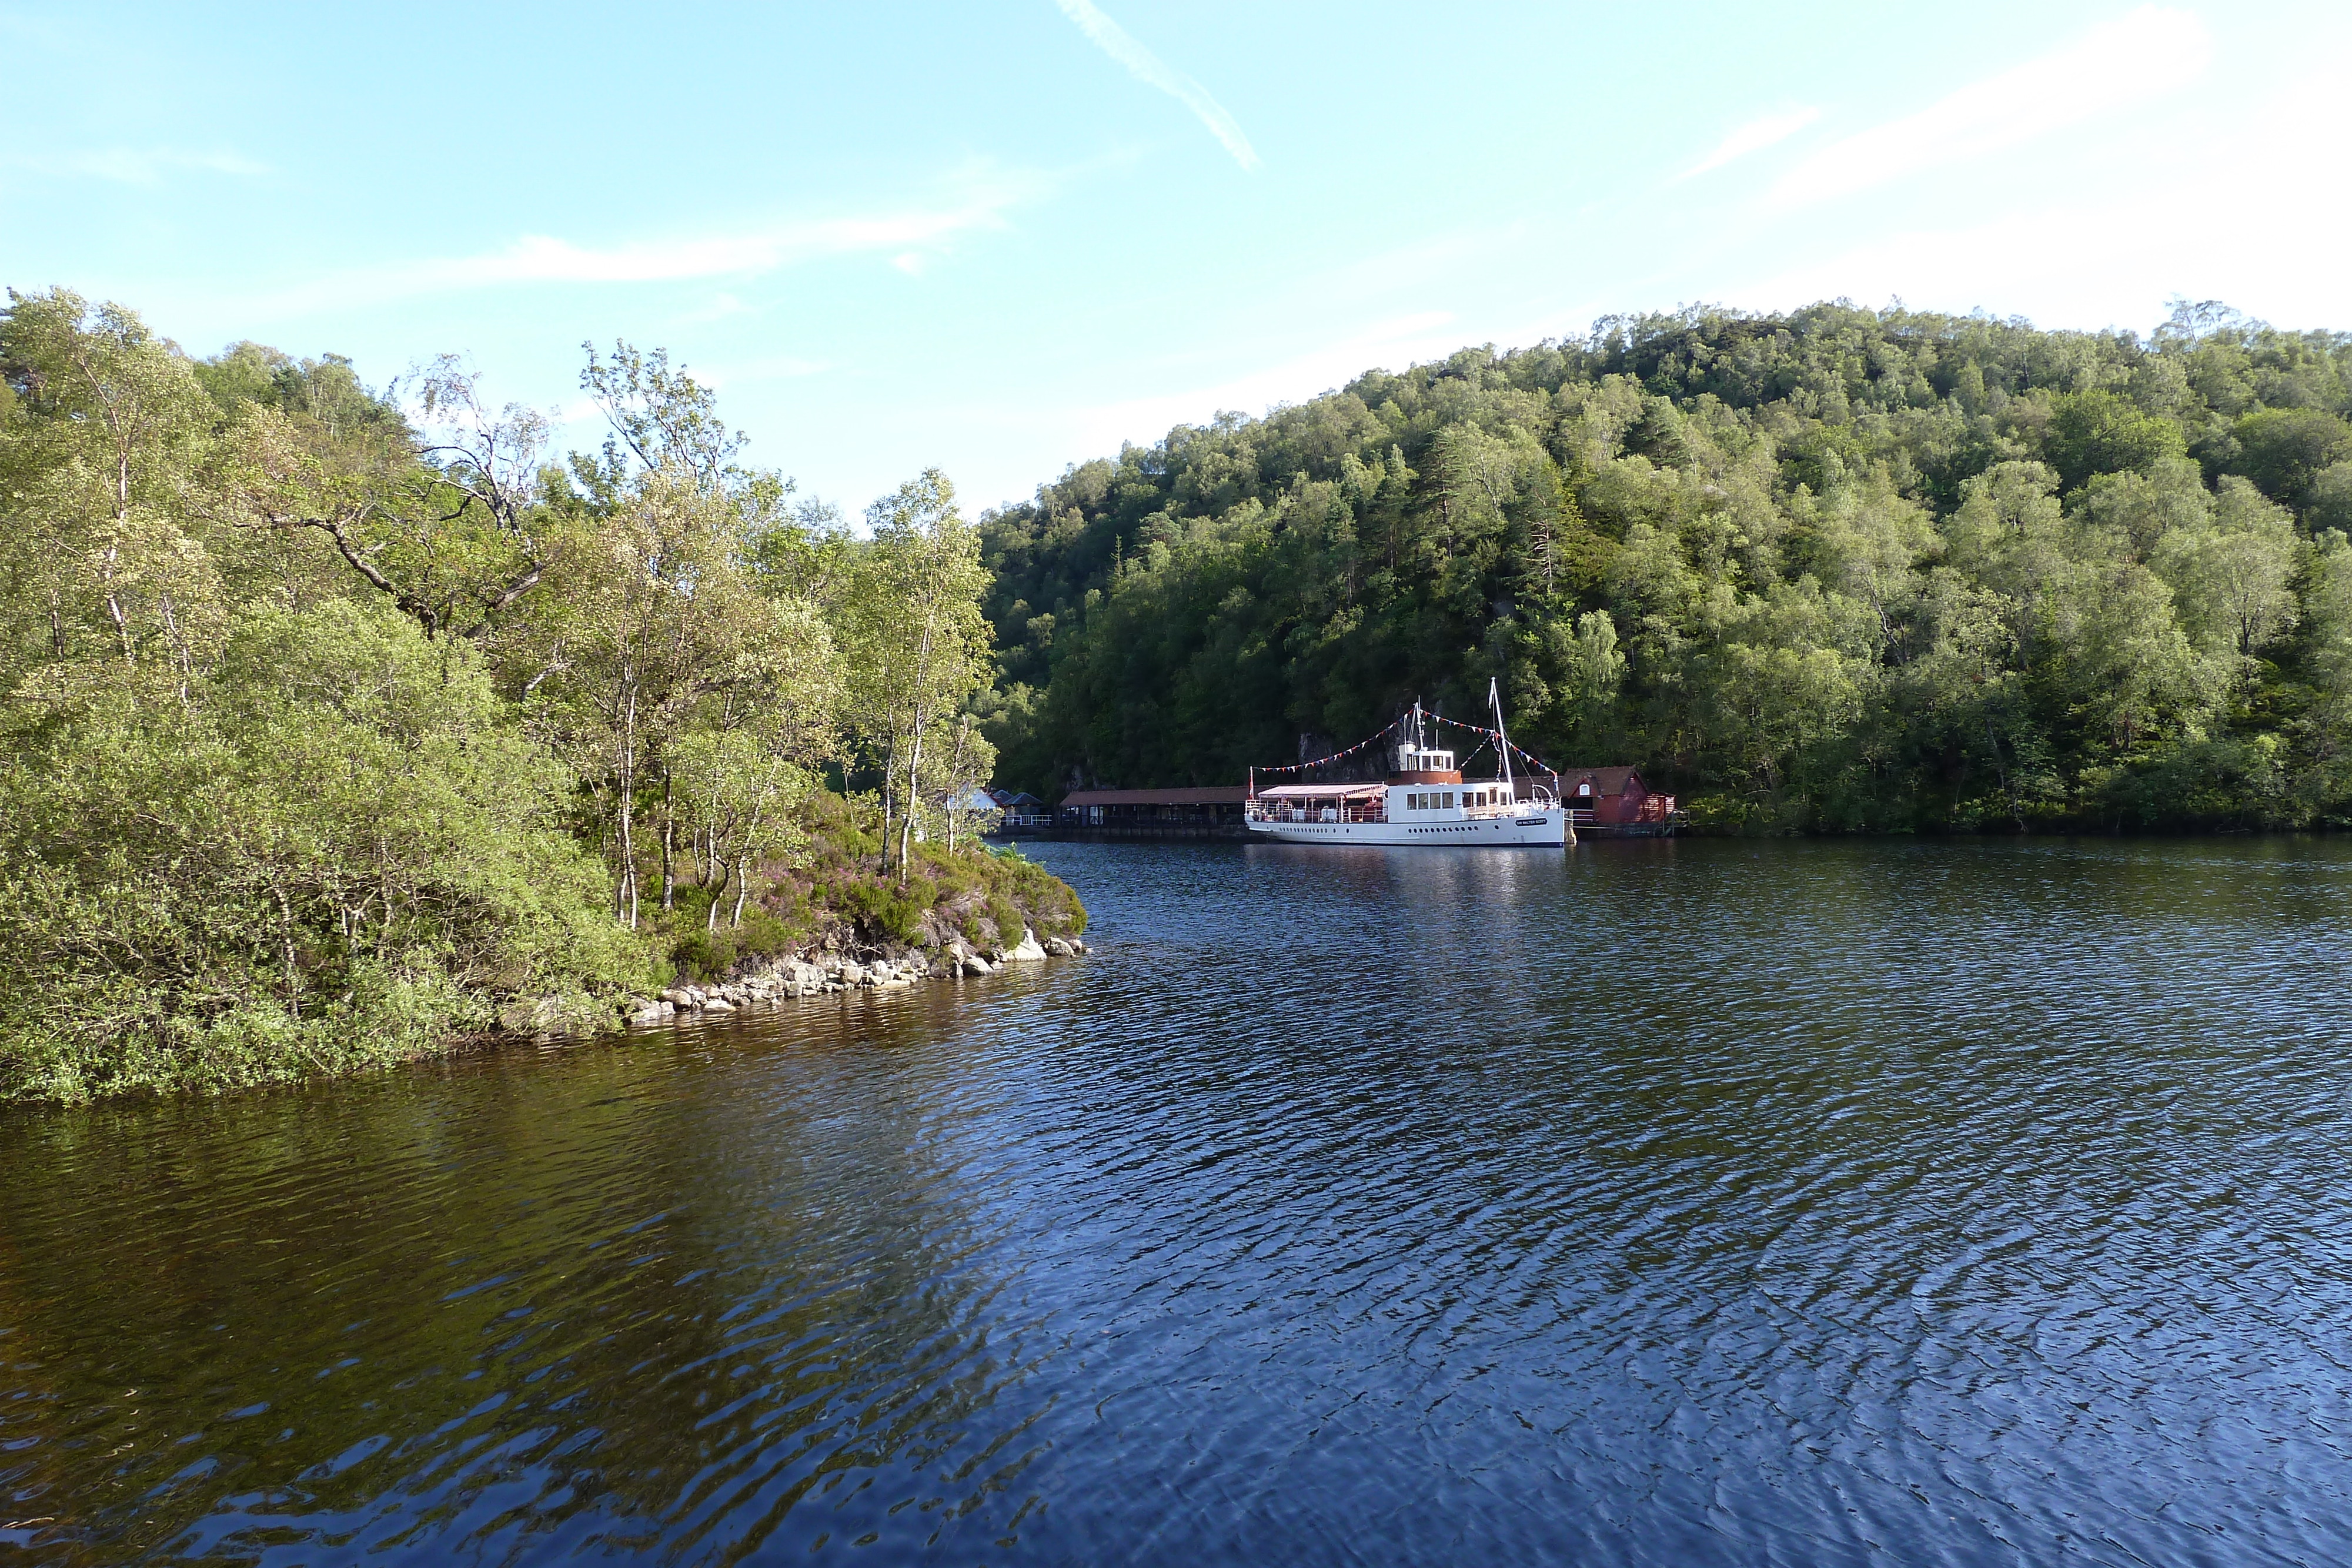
(1517, 748)
(1519, 751)
(1301, 767)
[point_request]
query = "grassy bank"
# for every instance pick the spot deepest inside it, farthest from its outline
(834, 898)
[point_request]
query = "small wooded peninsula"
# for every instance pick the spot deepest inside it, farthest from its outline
(344, 723)
(343, 727)
(1840, 569)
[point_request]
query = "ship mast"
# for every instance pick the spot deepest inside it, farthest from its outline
(1502, 741)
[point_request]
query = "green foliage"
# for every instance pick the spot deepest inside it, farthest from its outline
(884, 910)
(336, 728)
(1832, 569)
(2098, 432)
(712, 951)
(341, 844)
(2286, 450)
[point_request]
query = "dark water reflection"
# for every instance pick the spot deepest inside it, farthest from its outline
(1657, 1203)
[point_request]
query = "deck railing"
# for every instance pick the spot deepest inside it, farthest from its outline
(1296, 811)
(1367, 811)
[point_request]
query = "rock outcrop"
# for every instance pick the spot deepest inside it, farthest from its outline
(820, 974)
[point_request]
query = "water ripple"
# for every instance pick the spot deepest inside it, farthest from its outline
(1659, 1202)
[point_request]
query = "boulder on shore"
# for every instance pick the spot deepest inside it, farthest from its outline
(828, 973)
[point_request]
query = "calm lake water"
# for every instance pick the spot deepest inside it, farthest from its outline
(1657, 1203)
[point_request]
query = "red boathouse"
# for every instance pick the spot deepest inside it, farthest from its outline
(1608, 801)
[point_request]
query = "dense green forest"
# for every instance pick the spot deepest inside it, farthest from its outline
(340, 723)
(1837, 570)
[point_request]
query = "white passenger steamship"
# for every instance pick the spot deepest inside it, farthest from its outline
(1425, 800)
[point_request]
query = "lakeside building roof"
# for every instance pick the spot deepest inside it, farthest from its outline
(1605, 780)
(1207, 794)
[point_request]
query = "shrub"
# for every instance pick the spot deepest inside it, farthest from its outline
(335, 852)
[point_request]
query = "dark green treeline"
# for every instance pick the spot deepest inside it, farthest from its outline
(1836, 569)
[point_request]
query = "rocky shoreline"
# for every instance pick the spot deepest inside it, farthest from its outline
(819, 974)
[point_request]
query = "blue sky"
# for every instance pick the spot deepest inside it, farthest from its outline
(1002, 238)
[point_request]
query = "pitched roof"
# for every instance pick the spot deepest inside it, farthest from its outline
(1211, 795)
(1605, 780)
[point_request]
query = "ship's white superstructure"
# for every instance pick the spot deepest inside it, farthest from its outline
(1424, 800)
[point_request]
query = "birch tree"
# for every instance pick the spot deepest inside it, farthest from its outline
(654, 613)
(917, 645)
(102, 475)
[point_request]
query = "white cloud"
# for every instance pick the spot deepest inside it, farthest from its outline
(1754, 137)
(133, 165)
(1119, 45)
(982, 202)
(2113, 262)
(2138, 56)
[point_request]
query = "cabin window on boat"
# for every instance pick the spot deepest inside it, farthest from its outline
(1449, 800)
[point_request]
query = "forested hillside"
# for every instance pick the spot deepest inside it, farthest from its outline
(339, 724)
(1839, 570)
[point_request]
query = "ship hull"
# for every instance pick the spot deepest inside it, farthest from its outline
(1536, 830)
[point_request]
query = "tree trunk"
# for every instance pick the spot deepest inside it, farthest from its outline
(890, 788)
(625, 895)
(628, 804)
(955, 777)
(907, 819)
(286, 930)
(668, 838)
